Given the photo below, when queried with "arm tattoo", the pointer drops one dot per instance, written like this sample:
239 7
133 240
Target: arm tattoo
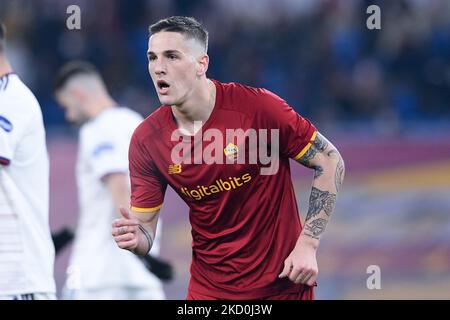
320 200
319 145
148 236
318 171
316 228
311 153
339 175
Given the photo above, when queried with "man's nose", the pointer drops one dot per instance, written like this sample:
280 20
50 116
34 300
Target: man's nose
159 67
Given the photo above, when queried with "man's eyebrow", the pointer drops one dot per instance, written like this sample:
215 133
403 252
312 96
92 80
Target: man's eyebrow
171 51
164 52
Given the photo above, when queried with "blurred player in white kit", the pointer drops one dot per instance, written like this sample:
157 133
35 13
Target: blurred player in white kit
98 269
26 248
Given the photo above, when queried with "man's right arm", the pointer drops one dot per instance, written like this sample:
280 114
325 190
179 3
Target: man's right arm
136 230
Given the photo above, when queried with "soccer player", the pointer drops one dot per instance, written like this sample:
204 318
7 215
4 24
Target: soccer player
97 268
248 241
26 249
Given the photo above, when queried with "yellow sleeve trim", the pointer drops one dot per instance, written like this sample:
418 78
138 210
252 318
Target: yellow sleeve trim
306 148
146 210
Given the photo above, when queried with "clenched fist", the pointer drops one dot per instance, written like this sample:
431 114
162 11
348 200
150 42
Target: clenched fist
301 265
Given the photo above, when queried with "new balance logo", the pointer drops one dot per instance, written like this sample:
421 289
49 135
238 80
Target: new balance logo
175 168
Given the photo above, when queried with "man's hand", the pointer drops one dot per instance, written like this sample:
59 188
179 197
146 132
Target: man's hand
128 235
301 264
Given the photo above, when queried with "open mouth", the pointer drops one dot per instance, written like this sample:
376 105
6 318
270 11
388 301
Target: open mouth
163 86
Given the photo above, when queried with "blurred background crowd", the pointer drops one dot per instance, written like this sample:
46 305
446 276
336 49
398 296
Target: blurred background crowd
317 54
382 95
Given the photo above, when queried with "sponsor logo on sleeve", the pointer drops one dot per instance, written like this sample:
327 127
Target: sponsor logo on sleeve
100 149
5 124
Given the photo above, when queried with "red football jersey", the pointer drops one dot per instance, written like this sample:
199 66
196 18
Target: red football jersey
244 223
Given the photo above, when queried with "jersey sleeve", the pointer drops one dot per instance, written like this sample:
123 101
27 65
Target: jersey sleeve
107 152
147 185
5 149
296 133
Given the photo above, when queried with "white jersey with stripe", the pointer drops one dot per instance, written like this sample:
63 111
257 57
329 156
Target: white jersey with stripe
96 262
26 247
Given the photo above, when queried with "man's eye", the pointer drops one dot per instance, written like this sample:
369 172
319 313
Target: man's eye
152 58
172 56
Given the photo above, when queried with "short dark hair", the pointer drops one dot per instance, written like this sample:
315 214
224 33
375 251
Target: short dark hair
188 26
71 69
2 36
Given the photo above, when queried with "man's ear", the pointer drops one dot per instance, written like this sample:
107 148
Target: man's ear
202 64
78 93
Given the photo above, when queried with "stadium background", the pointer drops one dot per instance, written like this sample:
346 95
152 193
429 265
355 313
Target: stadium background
383 97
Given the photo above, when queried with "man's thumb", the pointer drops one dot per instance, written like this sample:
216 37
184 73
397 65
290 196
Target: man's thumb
124 213
286 269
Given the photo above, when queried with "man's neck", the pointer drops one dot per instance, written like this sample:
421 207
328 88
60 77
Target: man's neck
198 108
5 67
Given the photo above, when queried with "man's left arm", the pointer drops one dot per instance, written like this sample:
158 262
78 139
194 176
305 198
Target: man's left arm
301 265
